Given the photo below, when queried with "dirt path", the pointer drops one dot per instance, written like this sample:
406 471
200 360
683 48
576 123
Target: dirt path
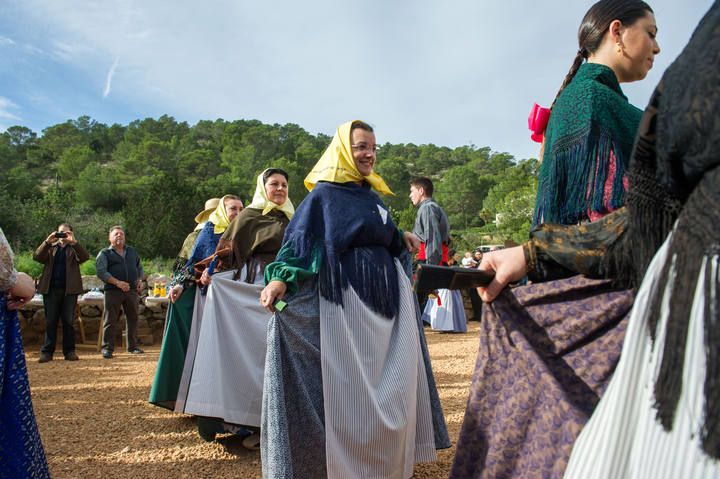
95 420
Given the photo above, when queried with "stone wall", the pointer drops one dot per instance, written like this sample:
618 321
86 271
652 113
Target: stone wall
151 320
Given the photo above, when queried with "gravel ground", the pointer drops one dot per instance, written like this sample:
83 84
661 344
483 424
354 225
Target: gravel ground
95 420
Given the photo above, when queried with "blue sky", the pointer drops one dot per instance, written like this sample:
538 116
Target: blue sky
450 73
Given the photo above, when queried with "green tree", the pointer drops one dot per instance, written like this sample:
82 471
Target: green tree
97 187
73 161
394 171
157 218
509 204
461 193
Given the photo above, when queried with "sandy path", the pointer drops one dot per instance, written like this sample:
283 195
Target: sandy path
95 421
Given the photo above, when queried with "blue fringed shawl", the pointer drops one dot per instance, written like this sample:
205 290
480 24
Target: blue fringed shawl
338 232
590 120
205 244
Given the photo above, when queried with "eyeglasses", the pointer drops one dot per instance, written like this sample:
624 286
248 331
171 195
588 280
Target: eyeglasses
363 148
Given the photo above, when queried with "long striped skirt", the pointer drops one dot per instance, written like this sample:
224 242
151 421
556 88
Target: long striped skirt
623 438
347 392
547 352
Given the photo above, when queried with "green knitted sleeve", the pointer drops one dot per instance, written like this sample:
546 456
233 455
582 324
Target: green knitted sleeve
289 270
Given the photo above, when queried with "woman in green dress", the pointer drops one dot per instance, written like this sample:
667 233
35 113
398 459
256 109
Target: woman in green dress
182 296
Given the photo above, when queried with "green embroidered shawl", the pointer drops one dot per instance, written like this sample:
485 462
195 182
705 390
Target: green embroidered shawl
591 120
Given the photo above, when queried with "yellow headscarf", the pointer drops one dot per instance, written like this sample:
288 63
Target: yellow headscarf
219 217
337 164
260 200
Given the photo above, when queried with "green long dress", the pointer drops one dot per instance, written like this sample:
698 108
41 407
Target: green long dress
174 347
177 333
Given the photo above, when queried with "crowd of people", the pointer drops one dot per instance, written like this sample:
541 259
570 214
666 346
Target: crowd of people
299 330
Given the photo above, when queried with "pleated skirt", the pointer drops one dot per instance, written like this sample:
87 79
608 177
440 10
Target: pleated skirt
622 438
346 391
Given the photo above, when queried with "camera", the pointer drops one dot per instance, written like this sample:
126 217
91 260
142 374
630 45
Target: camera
60 234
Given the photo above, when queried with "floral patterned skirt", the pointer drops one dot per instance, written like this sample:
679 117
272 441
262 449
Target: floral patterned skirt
547 352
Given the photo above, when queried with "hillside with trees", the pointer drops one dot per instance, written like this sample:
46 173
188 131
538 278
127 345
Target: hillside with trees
153 176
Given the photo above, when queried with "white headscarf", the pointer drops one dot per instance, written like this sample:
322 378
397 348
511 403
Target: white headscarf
260 199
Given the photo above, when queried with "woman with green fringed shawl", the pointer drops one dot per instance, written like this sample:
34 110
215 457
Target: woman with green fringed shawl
548 350
592 125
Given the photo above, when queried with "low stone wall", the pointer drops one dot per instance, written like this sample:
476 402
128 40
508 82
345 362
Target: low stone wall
151 320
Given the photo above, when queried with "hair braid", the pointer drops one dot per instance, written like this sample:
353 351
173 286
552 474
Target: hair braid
579 58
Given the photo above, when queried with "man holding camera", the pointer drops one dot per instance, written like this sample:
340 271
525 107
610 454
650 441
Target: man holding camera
60 285
119 267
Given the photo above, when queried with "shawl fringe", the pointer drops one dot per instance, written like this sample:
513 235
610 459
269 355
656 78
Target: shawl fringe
373 275
694 244
652 211
574 183
591 120
370 270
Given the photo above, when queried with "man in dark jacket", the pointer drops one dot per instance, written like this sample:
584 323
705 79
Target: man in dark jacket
118 266
60 285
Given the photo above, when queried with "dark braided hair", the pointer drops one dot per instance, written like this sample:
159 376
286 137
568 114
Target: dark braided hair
595 24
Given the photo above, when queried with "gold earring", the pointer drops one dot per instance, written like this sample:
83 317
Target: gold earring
619 47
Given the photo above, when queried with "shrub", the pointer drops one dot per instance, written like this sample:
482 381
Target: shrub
88 267
25 263
158 265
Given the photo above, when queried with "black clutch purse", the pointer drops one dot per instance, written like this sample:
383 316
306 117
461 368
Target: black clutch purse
429 278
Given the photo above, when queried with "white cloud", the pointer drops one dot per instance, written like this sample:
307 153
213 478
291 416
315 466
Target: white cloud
108 80
32 49
70 51
5 105
5 115
28 48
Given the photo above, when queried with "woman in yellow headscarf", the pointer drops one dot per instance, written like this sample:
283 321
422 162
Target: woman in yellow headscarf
255 236
348 388
178 323
225 389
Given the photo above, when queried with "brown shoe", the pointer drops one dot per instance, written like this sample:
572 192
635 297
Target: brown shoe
45 358
71 356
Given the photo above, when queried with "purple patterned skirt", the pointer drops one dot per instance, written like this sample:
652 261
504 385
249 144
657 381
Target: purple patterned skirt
547 352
